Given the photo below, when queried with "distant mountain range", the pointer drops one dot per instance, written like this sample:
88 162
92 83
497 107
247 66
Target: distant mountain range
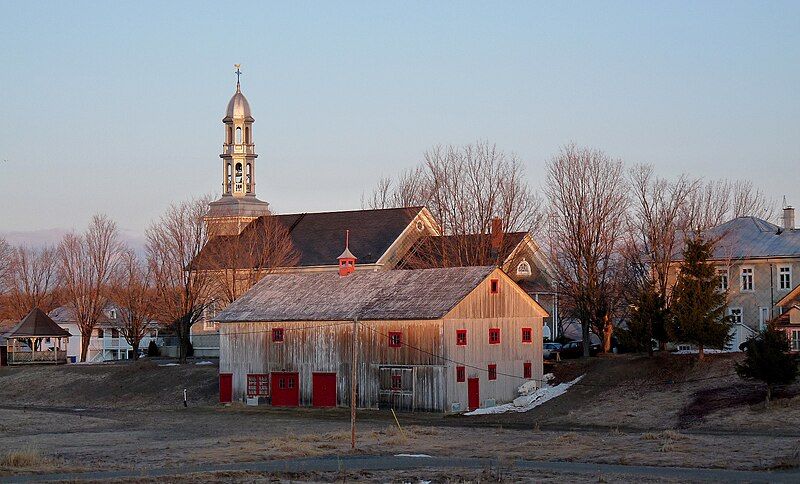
44 237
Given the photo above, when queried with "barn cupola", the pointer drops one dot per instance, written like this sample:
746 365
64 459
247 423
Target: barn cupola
347 261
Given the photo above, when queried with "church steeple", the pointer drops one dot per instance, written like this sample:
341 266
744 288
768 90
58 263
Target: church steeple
238 202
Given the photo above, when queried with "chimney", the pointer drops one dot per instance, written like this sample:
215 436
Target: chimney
497 235
788 217
347 261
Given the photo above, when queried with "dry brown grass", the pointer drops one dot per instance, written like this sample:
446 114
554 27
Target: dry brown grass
27 458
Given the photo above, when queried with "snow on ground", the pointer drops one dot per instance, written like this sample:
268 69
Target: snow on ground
707 351
413 455
202 363
528 402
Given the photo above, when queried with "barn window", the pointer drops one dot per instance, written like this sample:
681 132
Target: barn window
395 339
494 336
277 335
526 370
493 372
397 382
258 385
290 382
281 383
527 335
461 374
461 337
494 286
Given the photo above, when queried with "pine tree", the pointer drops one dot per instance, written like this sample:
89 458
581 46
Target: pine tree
698 306
768 360
647 319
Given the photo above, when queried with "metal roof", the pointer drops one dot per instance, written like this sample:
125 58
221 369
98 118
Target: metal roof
366 295
752 238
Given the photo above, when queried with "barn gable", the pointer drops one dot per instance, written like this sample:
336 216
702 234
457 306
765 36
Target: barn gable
509 300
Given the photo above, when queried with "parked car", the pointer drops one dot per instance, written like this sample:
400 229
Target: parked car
574 349
551 351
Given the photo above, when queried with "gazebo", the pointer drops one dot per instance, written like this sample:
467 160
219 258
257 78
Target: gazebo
36 339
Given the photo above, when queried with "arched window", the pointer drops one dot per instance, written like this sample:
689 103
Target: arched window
229 135
238 177
228 176
247 135
523 268
248 177
238 135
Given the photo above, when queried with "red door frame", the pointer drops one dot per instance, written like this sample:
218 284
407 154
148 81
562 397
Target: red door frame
225 387
323 389
285 389
474 393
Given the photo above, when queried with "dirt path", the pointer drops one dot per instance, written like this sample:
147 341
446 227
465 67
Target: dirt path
394 463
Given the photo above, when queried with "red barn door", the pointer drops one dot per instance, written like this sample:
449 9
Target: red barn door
324 390
225 387
474 392
285 389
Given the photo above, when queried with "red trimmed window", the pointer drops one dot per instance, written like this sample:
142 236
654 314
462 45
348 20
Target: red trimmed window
397 382
395 339
258 385
527 335
494 336
461 374
277 335
461 337
493 372
494 286
527 371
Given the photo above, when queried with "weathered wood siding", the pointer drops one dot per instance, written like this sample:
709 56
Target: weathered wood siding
313 346
510 310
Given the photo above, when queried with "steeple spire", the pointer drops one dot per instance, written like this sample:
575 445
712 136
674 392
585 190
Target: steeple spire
238 73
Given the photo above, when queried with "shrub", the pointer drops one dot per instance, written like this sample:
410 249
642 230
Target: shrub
152 349
768 359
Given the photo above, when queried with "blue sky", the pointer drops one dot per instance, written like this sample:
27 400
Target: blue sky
117 106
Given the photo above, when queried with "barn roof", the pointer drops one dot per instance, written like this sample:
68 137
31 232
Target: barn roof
367 295
319 237
752 238
449 250
37 324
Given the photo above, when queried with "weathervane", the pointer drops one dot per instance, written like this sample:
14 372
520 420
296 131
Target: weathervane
238 73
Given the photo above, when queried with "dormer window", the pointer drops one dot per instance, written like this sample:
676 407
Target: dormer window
112 314
524 268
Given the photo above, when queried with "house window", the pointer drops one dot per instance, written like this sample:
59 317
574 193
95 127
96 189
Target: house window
100 333
493 372
112 314
524 268
494 336
395 339
114 333
747 279
494 286
461 374
461 337
277 335
736 315
527 335
209 325
397 382
153 333
258 385
796 340
527 371
722 275
785 277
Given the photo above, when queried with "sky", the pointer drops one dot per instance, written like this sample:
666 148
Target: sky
116 107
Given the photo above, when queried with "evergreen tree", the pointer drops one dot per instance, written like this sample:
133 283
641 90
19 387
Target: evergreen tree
698 306
648 318
152 349
768 360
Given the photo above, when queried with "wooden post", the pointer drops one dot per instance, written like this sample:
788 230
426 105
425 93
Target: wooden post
353 377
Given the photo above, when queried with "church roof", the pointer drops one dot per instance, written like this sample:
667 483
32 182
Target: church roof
37 324
317 237
751 238
238 107
457 250
367 295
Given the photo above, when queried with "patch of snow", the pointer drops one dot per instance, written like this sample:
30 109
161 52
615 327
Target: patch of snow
78 409
413 455
707 351
204 363
169 364
528 402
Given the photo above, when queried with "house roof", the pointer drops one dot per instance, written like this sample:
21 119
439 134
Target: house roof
792 296
65 314
37 324
451 250
752 238
319 237
367 295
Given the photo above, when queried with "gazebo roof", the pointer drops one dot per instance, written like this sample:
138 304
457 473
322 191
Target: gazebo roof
37 324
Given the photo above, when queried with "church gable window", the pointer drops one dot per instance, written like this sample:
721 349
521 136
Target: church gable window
524 268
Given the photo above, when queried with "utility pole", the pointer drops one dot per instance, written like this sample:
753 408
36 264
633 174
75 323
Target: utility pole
353 386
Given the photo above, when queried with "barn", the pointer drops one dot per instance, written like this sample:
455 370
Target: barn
444 339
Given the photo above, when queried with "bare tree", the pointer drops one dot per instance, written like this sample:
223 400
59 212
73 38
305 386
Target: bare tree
173 242
86 263
5 264
588 200
465 188
238 262
30 280
133 292
717 201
